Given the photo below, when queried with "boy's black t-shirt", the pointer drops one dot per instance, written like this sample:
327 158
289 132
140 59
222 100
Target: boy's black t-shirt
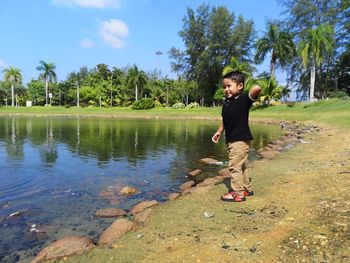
235 113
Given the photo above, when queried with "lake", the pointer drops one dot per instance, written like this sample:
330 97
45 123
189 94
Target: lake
52 170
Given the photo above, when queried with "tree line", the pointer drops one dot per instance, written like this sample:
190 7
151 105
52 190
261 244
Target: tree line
311 44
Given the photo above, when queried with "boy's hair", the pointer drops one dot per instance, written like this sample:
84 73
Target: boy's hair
236 76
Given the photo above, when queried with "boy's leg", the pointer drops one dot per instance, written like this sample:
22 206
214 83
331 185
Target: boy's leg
246 177
238 155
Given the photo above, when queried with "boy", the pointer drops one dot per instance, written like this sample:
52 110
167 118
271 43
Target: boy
235 114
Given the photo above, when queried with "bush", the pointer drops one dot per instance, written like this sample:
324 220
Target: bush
341 94
143 104
157 104
92 103
178 105
290 104
192 105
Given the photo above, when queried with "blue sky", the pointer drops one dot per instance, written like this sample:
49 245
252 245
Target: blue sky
76 33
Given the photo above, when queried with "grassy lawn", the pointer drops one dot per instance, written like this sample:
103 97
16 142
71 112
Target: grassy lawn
334 112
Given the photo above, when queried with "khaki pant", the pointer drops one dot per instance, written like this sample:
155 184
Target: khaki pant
237 164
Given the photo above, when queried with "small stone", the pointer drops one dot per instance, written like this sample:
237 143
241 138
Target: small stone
139 236
208 214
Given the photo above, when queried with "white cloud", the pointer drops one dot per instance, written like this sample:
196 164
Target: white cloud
89 3
113 31
86 43
3 64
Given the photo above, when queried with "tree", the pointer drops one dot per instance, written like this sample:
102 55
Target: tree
13 75
138 79
279 43
212 36
270 90
313 48
36 92
48 75
300 17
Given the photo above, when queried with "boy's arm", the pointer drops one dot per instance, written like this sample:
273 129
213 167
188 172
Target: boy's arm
254 92
217 135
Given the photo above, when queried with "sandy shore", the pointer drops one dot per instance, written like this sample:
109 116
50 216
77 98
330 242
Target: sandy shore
300 213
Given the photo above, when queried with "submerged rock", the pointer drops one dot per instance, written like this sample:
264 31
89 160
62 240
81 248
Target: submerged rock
110 212
128 190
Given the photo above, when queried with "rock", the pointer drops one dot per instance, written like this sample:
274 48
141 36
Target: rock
209 161
173 196
186 185
142 206
115 231
207 182
218 179
208 214
141 218
268 154
110 212
64 247
198 190
195 172
225 172
128 190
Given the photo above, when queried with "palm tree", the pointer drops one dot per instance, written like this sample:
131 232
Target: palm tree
138 79
14 76
236 65
279 43
48 75
270 90
313 48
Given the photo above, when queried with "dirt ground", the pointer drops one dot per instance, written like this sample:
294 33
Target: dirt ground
300 213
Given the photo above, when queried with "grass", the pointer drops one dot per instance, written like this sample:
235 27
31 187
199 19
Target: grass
334 112
117 112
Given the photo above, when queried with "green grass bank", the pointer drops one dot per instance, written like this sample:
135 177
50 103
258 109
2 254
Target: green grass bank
334 112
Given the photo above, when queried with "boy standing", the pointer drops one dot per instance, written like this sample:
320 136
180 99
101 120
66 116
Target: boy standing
235 114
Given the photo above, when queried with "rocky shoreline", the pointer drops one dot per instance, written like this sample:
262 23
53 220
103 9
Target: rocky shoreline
141 213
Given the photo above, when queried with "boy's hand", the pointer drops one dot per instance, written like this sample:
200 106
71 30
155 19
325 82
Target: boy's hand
216 137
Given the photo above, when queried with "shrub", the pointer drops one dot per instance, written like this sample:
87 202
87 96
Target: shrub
341 94
192 105
178 105
92 103
290 104
157 104
143 104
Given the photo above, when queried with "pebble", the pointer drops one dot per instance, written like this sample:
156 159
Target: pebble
208 215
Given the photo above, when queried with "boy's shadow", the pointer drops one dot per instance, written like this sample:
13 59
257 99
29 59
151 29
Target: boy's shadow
227 182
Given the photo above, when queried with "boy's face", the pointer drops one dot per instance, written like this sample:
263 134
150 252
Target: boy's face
231 88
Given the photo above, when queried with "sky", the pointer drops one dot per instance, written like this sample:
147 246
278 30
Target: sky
119 33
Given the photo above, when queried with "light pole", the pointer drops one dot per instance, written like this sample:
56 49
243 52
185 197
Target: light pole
158 54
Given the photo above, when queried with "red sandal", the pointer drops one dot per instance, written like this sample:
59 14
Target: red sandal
232 197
